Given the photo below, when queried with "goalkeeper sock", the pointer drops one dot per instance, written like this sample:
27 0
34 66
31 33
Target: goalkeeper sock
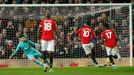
39 63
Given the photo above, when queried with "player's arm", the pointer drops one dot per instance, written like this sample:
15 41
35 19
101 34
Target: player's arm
116 37
93 34
39 31
77 31
102 41
32 43
17 49
55 26
55 29
93 38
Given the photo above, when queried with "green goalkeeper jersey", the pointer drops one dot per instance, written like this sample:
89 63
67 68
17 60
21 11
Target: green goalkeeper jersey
26 47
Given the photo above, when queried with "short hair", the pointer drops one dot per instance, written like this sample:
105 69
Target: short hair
47 14
21 35
85 23
106 25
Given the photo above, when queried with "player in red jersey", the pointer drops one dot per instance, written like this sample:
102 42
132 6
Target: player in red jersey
86 34
109 36
48 27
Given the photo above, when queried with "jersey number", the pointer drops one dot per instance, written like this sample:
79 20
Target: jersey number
86 33
108 34
47 26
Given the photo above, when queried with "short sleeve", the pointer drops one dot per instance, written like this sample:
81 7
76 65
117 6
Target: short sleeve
55 25
102 35
41 23
77 32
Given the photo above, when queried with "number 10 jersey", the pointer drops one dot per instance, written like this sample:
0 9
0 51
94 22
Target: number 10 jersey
86 34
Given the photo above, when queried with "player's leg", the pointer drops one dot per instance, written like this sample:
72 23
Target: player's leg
87 48
33 59
37 54
115 53
109 55
50 51
44 45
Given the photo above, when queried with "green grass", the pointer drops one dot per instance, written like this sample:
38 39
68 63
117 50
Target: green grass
70 71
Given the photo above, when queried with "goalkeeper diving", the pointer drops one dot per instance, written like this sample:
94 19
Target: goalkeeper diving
27 46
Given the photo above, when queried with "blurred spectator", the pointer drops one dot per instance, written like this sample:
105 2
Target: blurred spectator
33 34
16 39
8 1
121 1
66 28
2 45
10 30
27 2
8 49
30 22
60 1
47 1
24 1
65 1
26 11
16 22
3 24
4 34
1 38
19 1
1 1
25 32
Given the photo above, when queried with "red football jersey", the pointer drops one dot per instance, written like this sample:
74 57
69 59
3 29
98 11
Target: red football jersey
86 33
48 29
110 38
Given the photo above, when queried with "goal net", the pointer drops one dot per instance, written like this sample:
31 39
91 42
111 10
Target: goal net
15 19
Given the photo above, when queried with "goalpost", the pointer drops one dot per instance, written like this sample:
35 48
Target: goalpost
25 18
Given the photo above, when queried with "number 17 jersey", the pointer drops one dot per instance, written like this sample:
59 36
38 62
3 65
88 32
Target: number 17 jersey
110 38
48 29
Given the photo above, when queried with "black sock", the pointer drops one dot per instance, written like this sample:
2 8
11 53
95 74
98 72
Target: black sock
50 54
115 56
44 56
93 58
111 59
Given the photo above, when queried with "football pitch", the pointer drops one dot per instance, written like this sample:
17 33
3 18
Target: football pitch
70 71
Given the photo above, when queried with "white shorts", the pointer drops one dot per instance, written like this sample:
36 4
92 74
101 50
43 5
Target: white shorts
88 47
112 51
47 45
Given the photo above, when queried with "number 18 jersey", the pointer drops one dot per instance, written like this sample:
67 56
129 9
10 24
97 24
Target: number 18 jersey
86 34
48 29
110 38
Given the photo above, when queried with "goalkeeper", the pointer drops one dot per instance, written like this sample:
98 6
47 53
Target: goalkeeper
32 54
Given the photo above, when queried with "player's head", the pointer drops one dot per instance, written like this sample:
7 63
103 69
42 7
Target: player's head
106 26
22 37
85 24
47 14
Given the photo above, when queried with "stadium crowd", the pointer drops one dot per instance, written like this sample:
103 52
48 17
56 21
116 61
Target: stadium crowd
60 1
15 20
